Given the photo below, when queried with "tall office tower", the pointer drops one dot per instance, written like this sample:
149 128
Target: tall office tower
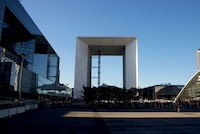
27 59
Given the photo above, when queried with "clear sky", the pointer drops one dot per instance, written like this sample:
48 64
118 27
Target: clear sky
168 33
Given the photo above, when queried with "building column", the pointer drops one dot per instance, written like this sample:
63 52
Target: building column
82 68
131 65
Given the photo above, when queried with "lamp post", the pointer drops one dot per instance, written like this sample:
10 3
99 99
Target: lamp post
20 76
3 55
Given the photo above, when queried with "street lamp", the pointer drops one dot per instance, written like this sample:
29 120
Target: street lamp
3 55
20 76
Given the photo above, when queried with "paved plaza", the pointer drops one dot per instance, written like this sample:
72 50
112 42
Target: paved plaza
83 120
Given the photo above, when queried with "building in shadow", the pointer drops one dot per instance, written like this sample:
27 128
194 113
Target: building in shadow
163 92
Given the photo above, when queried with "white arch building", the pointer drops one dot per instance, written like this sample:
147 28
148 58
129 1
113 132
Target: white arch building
88 46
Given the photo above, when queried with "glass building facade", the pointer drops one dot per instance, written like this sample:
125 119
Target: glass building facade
191 91
23 44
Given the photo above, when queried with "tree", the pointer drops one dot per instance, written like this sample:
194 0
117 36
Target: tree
110 93
89 94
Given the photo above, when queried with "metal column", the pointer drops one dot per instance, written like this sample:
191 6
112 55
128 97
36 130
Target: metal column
99 68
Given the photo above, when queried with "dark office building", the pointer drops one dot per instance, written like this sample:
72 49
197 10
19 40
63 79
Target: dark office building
165 92
23 44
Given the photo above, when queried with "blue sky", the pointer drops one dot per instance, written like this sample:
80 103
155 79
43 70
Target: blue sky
168 33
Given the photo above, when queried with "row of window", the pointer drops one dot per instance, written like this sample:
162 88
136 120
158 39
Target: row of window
18 10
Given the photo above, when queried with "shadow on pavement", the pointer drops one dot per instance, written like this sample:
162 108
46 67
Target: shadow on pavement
52 120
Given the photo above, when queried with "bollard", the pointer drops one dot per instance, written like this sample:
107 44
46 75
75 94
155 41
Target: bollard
178 109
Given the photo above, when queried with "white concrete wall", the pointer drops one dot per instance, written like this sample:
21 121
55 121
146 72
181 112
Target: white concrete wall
20 109
33 106
12 111
16 110
81 67
4 113
131 65
27 107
